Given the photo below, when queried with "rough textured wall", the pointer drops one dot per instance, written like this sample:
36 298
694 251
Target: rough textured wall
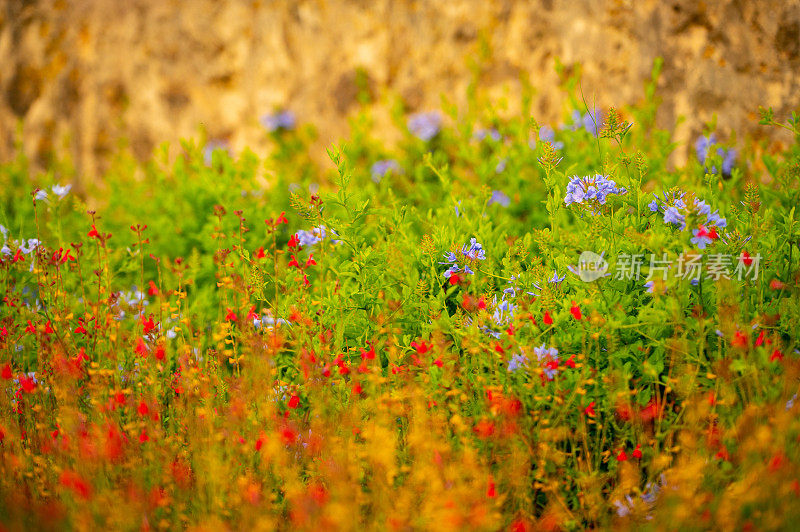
85 73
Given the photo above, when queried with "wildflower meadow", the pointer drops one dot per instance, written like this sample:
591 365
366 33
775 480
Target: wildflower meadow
493 323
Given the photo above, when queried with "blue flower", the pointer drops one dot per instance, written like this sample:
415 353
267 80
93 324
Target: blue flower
4 231
500 198
545 355
501 165
555 278
280 120
211 147
593 121
702 145
425 126
517 361
381 168
309 238
672 216
546 134
591 190
492 133
40 195
468 253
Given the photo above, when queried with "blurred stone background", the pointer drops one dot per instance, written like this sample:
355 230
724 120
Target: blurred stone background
83 74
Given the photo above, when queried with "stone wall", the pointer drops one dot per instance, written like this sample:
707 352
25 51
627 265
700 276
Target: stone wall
83 74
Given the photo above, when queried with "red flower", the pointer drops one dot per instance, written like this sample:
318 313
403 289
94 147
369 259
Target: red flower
438 362
18 257
775 284
231 315
547 319
48 329
368 355
153 289
637 453
760 339
148 324
30 328
282 219
621 456
27 383
491 490
576 311
776 355
739 340
422 348
141 347
311 261
294 262
143 409
454 278
3 332
481 303
143 437
357 389
160 352
589 410
6 372
746 259
93 233
649 412
294 242
484 428
294 402
260 253
570 362
80 329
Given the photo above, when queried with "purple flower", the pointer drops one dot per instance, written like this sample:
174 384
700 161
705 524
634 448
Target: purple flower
546 134
381 168
702 145
492 133
545 355
591 190
517 361
279 120
425 126
499 197
468 253
593 121
211 147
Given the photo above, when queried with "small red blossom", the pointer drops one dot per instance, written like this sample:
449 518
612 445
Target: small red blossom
31 329
589 410
27 384
6 372
576 311
294 262
231 315
739 340
491 490
148 324
438 362
776 284
454 278
746 259
776 355
141 347
637 453
80 329
152 289
18 257
311 261
570 362
547 319
760 339
484 428
48 329
93 233
294 242
160 352
282 219
621 456
143 409
294 402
